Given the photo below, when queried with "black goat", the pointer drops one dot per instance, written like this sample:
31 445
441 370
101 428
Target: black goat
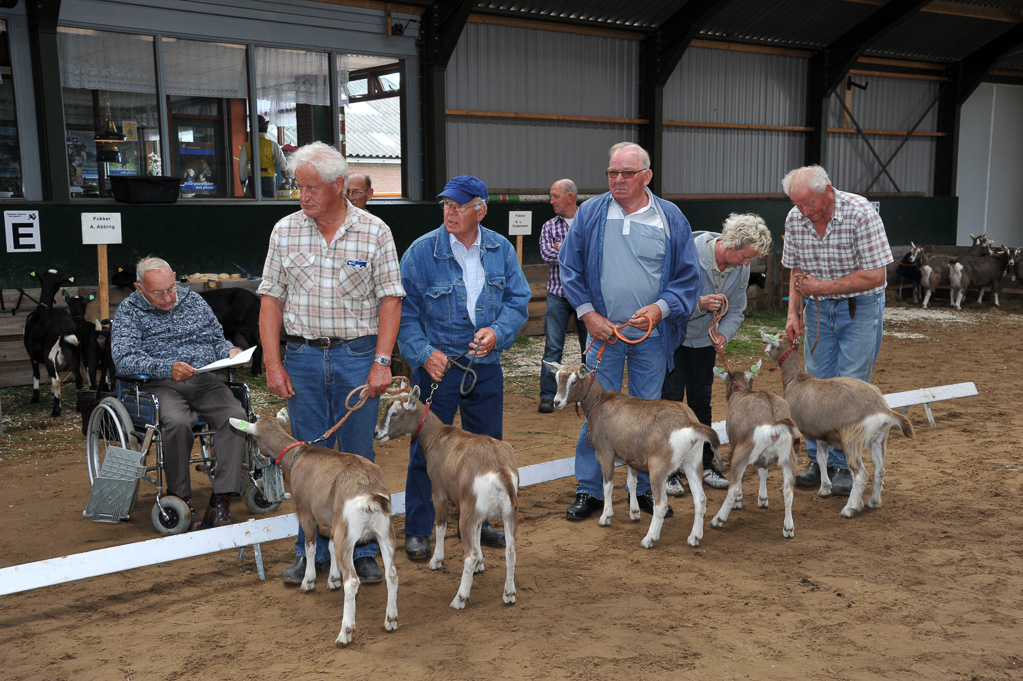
758 279
50 338
237 310
93 343
904 271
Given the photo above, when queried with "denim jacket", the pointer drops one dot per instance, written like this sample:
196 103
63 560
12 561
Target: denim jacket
433 314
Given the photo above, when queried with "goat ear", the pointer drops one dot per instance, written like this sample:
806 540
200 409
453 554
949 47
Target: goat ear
413 398
756 367
283 416
71 280
92 297
553 366
721 373
244 426
768 338
583 371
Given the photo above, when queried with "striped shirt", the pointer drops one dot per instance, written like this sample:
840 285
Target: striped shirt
331 290
469 259
855 240
553 231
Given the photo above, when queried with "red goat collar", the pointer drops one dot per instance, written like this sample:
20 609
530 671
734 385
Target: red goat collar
415 435
284 451
781 360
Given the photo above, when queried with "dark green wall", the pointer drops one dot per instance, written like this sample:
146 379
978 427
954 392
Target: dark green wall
205 236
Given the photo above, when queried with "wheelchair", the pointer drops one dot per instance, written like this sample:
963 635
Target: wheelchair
124 430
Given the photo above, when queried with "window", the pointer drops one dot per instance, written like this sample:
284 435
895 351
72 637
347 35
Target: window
11 184
109 88
370 119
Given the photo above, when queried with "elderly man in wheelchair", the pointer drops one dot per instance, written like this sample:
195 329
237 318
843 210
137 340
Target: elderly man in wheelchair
166 333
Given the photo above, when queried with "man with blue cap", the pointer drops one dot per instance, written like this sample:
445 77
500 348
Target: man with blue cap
466 299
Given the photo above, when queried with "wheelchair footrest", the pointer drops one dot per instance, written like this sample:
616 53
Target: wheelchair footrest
115 488
273 484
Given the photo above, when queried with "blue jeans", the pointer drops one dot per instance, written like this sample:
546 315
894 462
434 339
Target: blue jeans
647 364
555 328
847 347
322 380
482 412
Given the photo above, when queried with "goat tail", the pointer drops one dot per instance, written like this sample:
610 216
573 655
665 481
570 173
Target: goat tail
904 424
511 486
383 501
70 339
955 275
791 426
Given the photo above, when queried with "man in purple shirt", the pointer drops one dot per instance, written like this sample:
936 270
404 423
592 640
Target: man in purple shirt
559 310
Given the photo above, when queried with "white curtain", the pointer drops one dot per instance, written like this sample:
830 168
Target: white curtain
103 60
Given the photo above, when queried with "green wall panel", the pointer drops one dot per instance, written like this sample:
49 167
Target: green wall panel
199 236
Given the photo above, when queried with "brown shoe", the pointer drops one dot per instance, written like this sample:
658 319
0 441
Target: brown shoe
219 512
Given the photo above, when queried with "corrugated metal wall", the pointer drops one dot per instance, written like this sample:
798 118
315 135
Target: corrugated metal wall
719 86
887 104
505 69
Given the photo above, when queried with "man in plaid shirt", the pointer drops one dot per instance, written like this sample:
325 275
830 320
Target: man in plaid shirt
331 283
837 240
559 310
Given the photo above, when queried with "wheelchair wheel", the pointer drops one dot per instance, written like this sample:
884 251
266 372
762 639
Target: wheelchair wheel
109 426
256 503
178 516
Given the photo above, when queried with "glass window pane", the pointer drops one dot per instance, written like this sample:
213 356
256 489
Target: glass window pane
10 150
207 105
109 88
370 119
293 99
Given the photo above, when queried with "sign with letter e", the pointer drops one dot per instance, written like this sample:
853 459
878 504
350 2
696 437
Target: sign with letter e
23 235
101 228
520 223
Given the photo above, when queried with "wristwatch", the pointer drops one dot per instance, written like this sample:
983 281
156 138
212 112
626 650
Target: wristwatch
382 361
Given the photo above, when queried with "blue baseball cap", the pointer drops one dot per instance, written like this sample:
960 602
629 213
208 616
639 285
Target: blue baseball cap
465 188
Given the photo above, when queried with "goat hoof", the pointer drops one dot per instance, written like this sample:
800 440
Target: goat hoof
824 491
693 540
848 512
436 564
344 638
391 624
458 603
763 503
333 584
634 515
717 523
509 598
788 532
307 587
647 543
604 521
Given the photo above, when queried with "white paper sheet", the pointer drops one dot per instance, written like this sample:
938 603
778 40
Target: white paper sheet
241 358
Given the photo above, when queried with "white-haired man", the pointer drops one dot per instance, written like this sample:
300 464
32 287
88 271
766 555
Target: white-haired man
331 283
837 249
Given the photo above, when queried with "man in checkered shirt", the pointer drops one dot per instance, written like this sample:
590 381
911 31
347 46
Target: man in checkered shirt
559 311
837 240
331 283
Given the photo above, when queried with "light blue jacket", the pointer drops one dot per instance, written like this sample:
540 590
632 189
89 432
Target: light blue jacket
433 313
581 259
698 327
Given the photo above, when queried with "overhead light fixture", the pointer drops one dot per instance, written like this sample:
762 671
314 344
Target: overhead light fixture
107 140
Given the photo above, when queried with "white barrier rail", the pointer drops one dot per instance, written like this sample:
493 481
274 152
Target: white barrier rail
54 571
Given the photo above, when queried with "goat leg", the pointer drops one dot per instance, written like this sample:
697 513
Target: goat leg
470 528
859 475
699 502
607 471
334 576
788 472
511 520
658 488
351 583
385 540
877 452
822 464
631 481
309 580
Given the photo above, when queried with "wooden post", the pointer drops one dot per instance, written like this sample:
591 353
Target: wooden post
518 248
104 286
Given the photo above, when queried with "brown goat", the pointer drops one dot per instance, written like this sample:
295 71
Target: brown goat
656 436
843 412
343 497
473 471
762 432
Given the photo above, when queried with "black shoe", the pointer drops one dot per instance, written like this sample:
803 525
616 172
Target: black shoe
811 477
646 504
546 406
841 481
368 570
584 506
492 537
296 573
417 548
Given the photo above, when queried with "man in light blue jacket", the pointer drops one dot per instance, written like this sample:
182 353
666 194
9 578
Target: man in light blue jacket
466 298
628 266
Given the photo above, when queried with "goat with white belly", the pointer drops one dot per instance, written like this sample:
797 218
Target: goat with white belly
934 270
656 436
762 432
342 496
473 471
843 412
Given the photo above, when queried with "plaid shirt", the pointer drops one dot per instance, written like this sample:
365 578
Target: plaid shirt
855 240
553 231
331 290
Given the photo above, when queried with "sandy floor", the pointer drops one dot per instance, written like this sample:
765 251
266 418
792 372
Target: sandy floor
926 587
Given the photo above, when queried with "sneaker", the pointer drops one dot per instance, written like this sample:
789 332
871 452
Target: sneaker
675 488
713 477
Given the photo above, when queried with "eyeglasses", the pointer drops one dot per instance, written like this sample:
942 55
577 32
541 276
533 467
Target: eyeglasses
355 192
460 208
164 293
626 174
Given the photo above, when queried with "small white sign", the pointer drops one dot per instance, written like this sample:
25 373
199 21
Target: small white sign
877 206
23 234
520 223
101 228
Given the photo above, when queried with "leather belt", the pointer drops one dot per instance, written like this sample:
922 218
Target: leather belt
323 342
